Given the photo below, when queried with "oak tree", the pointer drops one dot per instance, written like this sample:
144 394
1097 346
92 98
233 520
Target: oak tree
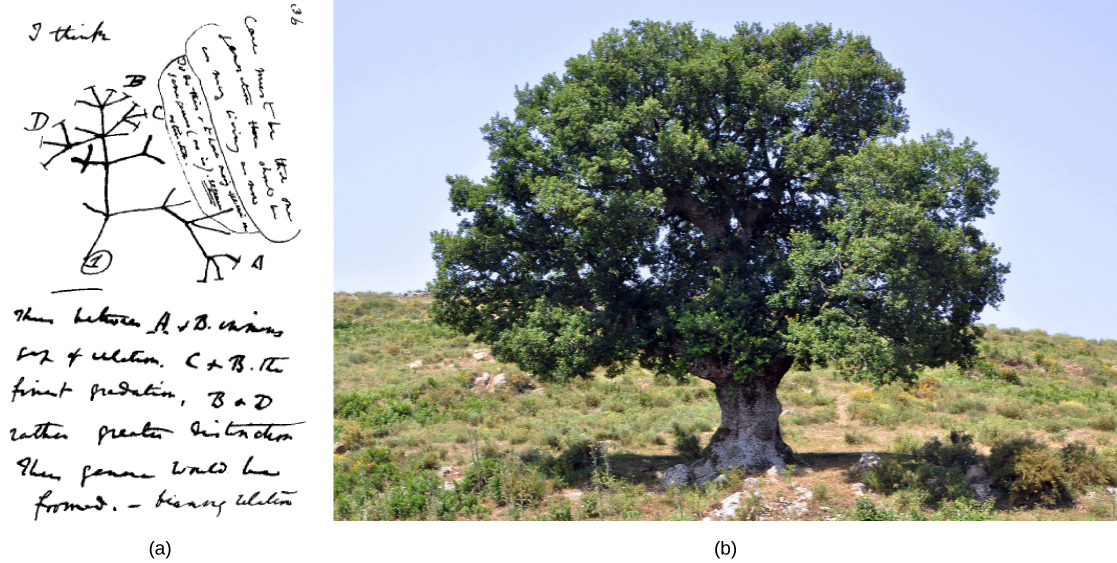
721 207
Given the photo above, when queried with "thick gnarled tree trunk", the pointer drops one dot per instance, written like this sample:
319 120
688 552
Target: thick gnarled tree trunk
749 435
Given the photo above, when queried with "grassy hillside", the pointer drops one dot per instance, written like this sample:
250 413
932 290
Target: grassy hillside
422 439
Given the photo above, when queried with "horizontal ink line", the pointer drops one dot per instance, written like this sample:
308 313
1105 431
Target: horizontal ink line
77 289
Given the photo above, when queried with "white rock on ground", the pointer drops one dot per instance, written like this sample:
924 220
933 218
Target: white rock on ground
729 506
797 508
676 476
776 471
498 381
868 461
416 364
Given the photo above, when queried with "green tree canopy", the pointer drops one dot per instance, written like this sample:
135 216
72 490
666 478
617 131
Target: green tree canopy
724 207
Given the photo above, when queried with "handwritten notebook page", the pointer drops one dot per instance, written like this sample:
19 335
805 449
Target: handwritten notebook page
167 244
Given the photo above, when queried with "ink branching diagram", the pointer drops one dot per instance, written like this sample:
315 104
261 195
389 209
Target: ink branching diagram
218 118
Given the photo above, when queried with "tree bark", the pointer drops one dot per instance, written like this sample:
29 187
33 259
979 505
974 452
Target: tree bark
749 435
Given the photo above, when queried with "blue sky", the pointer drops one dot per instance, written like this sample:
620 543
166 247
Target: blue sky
1033 83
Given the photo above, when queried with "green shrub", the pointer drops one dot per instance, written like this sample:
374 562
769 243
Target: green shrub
879 414
579 455
995 430
944 483
815 415
1072 409
535 457
409 498
574 463
1009 375
889 405
518 436
490 450
1040 477
561 513
795 398
506 481
355 437
1031 472
1105 423
611 431
818 399
994 372
966 510
527 406
1085 467
937 472
910 499
904 443
687 444
803 379
968 404
592 400
1108 453
376 468
865 510
551 439
800 397
887 477
479 475
958 453
854 437
430 458
654 399
521 486
1052 425
421 496
615 405
1013 409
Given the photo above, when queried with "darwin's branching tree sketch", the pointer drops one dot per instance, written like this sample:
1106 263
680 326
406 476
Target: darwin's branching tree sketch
93 146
